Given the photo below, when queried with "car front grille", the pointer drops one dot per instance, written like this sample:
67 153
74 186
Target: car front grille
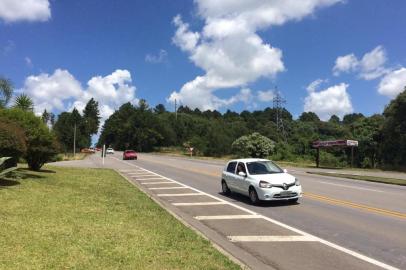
287 195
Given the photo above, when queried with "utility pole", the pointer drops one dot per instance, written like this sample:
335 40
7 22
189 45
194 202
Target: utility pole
278 104
74 140
176 110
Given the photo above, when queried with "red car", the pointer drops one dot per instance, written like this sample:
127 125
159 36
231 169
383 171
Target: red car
129 154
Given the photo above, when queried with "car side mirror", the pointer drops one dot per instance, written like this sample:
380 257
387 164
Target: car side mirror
285 171
243 174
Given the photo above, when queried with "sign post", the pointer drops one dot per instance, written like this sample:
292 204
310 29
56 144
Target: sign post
335 143
104 152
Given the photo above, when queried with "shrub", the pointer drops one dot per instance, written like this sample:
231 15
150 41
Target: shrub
254 145
12 140
41 143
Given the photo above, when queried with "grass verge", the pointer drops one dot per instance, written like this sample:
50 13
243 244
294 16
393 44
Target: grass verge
385 180
93 219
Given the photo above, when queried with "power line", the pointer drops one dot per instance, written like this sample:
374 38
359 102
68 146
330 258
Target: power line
279 103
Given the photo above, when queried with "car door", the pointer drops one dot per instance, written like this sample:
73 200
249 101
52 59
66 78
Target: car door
240 180
230 175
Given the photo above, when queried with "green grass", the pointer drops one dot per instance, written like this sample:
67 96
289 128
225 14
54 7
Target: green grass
385 180
64 218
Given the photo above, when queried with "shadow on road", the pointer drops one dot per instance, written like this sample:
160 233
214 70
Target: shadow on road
244 199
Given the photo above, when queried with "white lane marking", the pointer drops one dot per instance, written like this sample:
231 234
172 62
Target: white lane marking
348 186
156 188
148 179
156 183
227 217
132 170
198 203
325 242
271 238
180 194
138 174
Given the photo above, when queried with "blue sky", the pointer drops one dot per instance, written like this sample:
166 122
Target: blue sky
214 55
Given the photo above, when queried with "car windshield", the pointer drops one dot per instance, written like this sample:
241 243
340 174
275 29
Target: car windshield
130 152
263 167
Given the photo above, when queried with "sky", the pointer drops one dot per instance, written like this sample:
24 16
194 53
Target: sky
326 56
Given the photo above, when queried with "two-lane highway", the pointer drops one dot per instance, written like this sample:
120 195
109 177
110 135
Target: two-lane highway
362 217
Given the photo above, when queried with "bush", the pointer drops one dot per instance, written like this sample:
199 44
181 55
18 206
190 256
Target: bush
12 140
254 145
41 143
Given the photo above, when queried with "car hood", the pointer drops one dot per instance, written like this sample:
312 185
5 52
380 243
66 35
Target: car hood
275 178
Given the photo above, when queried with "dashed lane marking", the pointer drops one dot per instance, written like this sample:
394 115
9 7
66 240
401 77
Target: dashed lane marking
283 225
158 188
156 183
199 203
272 238
228 217
180 194
148 179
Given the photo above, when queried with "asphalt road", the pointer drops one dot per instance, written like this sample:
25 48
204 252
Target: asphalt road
338 224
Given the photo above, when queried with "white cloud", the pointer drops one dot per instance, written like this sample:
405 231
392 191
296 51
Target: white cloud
393 83
345 63
369 67
25 10
61 91
325 103
156 59
315 84
28 62
228 48
265 96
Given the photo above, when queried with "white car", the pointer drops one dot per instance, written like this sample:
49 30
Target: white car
260 179
109 151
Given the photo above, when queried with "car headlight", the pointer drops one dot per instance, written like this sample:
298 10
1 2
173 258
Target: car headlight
297 182
264 184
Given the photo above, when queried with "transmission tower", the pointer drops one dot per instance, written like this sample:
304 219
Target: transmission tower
278 104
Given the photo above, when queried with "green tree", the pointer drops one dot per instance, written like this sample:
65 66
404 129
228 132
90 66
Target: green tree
348 119
91 119
12 140
309 117
41 143
334 119
254 145
6 91
393 135
24 102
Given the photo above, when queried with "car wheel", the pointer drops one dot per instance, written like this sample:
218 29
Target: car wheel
225 189
253 195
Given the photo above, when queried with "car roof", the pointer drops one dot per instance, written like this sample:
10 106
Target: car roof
248 160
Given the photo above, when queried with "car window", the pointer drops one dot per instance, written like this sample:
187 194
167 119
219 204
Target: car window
263 167
231 167
241 168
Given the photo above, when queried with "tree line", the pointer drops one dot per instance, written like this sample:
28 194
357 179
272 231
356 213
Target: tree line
382 137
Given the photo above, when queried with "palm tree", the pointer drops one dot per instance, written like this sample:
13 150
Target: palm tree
6 91
24 103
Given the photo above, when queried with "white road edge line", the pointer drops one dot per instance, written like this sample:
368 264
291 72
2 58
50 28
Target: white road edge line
180 194
227 217
271 238
325 242
156 188
198 203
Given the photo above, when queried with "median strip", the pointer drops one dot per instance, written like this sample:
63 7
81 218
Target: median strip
158 188
156 183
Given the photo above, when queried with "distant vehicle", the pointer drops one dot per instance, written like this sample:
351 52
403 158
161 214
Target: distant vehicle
109 151
129 154
260 179
87 150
